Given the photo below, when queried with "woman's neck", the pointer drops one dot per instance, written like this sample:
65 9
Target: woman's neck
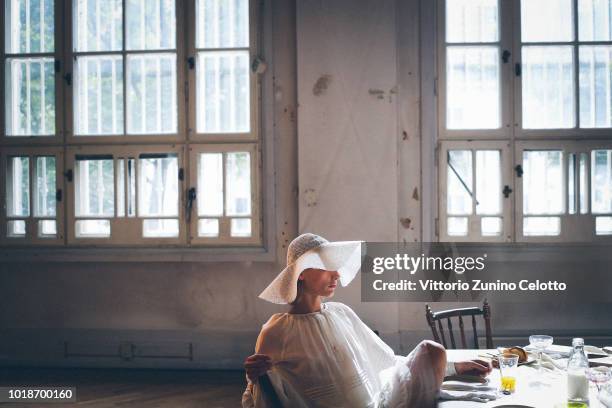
306 304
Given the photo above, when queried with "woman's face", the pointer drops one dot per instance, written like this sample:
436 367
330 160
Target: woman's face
319 282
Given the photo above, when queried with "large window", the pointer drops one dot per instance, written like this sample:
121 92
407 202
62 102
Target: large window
535 76
137 119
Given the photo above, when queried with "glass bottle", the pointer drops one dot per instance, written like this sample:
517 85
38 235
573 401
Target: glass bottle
577 382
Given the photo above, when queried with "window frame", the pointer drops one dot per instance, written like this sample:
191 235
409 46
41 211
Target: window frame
579 139
58 58
256 204
254 80
122 226
505 77
577 133
181 97
573 227
506 179
31 237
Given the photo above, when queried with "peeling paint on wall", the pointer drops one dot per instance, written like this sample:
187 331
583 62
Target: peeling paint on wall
321 85
405 222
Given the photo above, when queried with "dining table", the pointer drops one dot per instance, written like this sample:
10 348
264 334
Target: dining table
534 388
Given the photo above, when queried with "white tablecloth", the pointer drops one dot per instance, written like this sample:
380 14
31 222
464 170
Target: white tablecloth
527 393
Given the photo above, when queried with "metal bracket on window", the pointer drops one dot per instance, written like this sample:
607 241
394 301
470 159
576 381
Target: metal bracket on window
68 79
68 175
519 170
181 174
506 56
191 62
191 196
517 69
448 161
58 195
506 191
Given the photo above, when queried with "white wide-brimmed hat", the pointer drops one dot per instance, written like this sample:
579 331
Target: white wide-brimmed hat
313 251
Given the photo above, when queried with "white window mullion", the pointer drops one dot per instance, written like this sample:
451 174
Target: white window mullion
99 95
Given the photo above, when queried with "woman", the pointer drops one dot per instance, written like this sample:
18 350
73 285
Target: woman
323 355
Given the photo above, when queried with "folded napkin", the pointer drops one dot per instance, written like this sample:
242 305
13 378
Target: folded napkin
551 364
454 390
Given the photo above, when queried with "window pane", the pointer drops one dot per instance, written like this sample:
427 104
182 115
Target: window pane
471 20
120 187
222 23
488 182
459 182
603 225
541 226
238 183
208 227
131 184
18 187
584 184
98 25
546 20
548 87
210 184
151 24
29 26
241 227
457 226
99 95
16 229
595 86
160 228
594 20
47 229
44 187
223 104
94 189
151 93
158 185
491 226
601 181
473 100
30 96
92 228
571 183
542 183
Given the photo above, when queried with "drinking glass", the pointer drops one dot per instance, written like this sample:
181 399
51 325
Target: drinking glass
508 365
540 342
599 376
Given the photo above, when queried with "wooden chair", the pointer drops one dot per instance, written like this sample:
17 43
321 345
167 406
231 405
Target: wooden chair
269 393
433 317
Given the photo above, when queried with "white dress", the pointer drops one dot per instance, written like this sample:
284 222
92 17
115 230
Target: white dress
332 359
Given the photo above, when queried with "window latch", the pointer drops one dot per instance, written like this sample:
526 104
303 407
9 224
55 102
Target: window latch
191 62
68 79
68 175
58 195
519 170
181 174
506 56
517 69
506 191
191 196
58 65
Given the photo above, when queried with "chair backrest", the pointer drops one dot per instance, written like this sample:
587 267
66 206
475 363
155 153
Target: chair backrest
269 393
437 317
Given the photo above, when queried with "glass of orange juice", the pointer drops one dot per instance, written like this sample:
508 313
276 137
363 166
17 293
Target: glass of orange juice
508 366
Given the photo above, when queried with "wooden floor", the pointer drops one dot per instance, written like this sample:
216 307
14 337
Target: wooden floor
130 388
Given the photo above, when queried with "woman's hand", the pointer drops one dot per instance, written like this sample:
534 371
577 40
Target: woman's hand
473 367
256 366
